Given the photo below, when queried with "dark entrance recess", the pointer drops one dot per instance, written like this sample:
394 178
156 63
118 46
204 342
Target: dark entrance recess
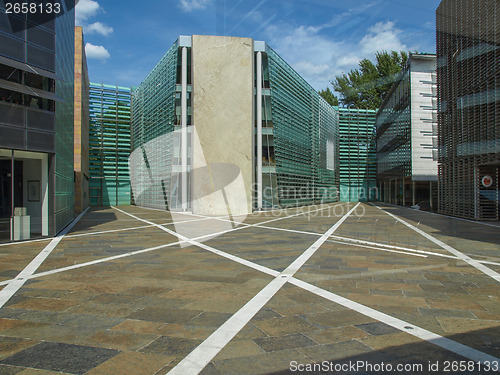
6 194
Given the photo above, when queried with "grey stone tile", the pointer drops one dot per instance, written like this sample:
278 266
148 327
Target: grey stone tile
210 319
377 328
171 346
271 344
164 315
73 359
10 370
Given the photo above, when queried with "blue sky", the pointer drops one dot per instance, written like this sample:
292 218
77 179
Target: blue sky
318 38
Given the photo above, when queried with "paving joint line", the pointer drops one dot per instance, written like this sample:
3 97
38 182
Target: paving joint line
441 215
438 340
196 360
378 248
142 251
15 284
473 262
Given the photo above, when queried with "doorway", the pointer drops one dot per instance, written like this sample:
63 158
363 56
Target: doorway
24 206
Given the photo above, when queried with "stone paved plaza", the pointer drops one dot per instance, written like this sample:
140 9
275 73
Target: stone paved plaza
130 290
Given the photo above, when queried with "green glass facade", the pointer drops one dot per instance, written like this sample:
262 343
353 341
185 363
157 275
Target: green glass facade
300 161
358 157
109 145
64 118
156 114
300 139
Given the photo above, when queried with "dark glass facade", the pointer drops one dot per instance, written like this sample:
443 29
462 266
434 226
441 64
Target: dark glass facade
27 96
64 120
36 111
468 49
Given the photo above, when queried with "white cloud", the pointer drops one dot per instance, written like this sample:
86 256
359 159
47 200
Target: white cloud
382 36
312 55
190 5
99 28
96 52
85 9
318 57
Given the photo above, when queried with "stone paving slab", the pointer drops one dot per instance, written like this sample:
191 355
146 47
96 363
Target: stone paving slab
337 335
375 225
14 257
464 235
280 248
143 314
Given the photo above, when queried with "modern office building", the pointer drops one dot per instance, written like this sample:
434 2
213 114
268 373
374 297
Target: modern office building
109 144
81 124
36 123
468 50
406 169
224 125
357 155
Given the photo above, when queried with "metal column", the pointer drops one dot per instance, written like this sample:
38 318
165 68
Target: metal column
430 195
476 193
259 130
184 153
413 193
12 187
404 192
45 195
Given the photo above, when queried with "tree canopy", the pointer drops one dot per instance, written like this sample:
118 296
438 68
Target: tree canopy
367 86
329 97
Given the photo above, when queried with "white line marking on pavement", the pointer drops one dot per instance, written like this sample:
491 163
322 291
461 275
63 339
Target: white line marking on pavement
400 324
206 247
106 231
23 242
127 229
443 216
412 329
378 248
107 259
354 241
489 262
15 284
137 252
195 361
473 262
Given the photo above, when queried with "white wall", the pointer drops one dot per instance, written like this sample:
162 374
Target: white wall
32 171
423 114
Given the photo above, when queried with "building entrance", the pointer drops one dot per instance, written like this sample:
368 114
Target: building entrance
24 206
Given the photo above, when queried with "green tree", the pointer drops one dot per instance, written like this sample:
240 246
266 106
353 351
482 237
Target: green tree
329 97
367 86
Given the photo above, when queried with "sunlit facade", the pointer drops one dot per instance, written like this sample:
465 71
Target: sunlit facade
406 121
81 125
225 124
109 145
357 155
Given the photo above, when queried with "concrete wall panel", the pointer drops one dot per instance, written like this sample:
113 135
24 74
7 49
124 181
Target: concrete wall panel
223 120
